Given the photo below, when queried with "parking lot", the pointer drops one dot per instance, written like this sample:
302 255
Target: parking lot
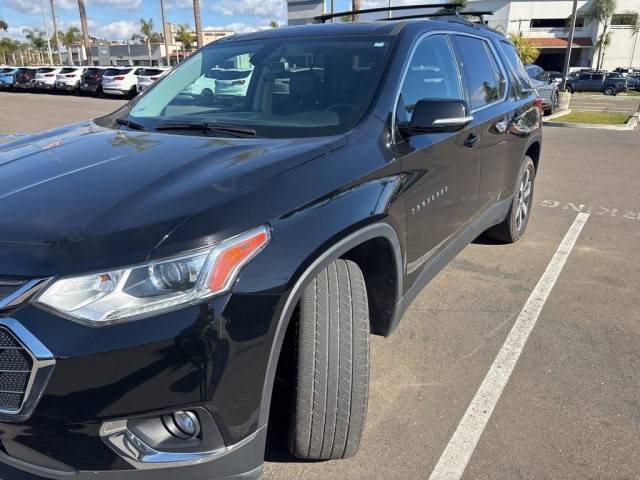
570 409
599 103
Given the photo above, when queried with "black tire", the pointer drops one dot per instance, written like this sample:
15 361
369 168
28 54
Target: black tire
332 357
512 227
610 91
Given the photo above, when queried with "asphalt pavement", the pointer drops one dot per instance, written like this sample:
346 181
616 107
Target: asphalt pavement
570 406
595 102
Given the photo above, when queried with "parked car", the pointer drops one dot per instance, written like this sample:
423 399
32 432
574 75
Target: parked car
45 78
205 85
555 76
121 81
633 81
164 263
233 81
69 79
149 76
585 81
24 78
7 75
546 86
92 80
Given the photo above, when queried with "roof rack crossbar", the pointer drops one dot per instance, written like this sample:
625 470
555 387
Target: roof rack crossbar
454 7
457 14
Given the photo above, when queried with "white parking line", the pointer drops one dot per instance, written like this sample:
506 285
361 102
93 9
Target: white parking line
456 455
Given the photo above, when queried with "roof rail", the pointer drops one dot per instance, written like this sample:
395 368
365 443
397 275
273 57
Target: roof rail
453 7
456 13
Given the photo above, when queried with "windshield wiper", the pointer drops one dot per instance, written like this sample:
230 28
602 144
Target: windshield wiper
130 124
233 130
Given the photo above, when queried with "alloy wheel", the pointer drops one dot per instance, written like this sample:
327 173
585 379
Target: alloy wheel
524 200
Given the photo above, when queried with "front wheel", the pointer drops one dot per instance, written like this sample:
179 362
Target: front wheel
332 352
513 226
609 91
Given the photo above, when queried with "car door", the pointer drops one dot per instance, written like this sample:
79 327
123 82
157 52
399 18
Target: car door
543 85
442 169
594 84
486 81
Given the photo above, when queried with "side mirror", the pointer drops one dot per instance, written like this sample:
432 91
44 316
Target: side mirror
432 116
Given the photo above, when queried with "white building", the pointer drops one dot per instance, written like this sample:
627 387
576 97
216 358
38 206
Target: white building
544 22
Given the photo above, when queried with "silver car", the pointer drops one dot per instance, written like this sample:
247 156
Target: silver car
546 86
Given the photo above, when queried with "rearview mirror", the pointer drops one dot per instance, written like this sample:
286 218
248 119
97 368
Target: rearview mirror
441 115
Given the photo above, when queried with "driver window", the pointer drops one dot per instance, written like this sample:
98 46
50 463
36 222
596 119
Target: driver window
432 73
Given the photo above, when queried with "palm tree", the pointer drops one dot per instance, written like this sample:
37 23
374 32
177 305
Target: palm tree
146 35
527 52
85 30
198 19
164 35
184 36
55 27
273 24
3 25
68 38
601 12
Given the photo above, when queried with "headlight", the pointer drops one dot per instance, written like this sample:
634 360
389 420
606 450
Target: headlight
126 294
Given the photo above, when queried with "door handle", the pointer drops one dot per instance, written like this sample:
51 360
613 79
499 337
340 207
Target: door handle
501 126
471 140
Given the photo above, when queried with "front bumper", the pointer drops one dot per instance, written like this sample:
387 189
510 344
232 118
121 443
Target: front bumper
210 358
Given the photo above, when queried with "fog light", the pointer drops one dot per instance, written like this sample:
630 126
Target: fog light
182 424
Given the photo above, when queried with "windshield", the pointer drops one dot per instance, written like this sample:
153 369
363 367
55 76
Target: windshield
279 87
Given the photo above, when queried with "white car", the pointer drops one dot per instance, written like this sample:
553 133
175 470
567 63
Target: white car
204 85
69 78
121 81
149 75
233 82
46 77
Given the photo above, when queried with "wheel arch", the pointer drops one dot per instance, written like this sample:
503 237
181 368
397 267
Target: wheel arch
376 232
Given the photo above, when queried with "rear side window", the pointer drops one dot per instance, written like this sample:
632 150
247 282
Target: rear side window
432 73
517 69
150 72
485 82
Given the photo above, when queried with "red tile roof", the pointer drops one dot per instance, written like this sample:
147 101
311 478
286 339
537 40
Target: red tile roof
554 42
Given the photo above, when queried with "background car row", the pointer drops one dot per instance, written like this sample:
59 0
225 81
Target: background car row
118 81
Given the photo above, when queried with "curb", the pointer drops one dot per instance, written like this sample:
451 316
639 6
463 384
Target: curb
631 124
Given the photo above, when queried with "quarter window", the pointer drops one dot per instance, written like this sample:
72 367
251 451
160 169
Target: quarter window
517 69
484 79
432 73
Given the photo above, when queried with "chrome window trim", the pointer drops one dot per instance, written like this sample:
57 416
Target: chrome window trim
498 60
405 70
449 34
41 370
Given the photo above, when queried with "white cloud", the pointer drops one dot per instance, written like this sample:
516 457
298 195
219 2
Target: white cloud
268 9
120 30
35 6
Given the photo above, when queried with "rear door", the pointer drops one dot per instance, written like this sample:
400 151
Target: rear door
487 84
443 168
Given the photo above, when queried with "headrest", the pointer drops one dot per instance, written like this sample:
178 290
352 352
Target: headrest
305 85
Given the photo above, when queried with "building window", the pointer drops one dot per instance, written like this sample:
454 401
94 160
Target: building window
555 22
624 20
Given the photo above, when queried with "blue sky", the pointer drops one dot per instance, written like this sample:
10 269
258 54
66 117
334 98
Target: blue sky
119 19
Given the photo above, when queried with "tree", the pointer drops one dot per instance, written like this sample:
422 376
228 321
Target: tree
3 25
68 38
527 52
184 36
601 12
273 24
85 30
8 48
197 15
146 34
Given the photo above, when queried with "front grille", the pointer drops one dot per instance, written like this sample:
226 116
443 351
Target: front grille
16 365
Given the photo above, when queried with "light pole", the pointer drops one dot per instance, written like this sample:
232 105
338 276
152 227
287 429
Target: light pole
567 59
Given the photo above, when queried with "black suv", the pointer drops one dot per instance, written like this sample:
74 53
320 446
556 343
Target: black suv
162 265
91 81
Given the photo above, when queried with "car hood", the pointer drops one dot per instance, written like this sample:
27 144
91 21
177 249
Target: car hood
84 197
